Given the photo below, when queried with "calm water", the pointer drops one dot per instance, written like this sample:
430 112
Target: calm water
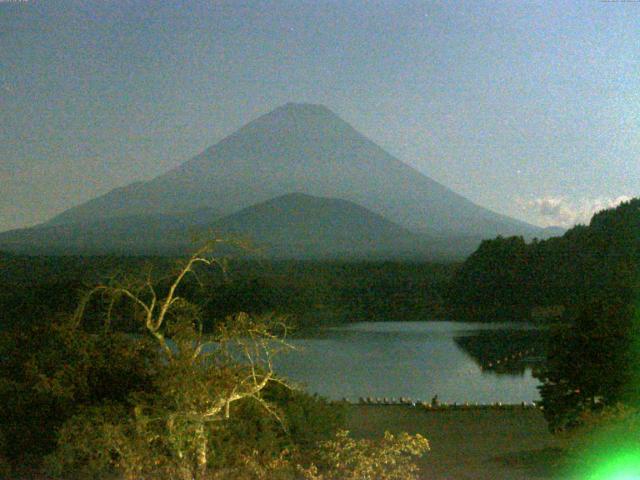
408 359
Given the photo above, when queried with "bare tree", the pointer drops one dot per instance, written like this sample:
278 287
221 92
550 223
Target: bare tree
198 378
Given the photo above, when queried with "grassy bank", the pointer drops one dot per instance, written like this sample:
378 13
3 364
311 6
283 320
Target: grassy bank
474 443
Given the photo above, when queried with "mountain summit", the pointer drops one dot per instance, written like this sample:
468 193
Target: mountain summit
308 149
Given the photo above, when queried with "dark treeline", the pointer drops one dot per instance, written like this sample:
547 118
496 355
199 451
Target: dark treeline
312 293
504 279
587 284
509 279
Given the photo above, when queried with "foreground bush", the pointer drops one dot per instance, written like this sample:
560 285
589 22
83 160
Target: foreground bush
345 458
52 371
591 362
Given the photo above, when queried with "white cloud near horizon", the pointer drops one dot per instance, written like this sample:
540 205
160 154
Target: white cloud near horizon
563 212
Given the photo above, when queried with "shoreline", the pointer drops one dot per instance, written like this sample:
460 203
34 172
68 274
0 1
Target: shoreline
496 443
440 406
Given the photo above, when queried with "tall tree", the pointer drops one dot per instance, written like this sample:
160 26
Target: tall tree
196 382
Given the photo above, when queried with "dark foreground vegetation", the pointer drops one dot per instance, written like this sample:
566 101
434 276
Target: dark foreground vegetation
127 385
119 389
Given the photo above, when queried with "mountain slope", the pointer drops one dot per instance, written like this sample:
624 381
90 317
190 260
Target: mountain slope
302 148
132 235
289 226
299 226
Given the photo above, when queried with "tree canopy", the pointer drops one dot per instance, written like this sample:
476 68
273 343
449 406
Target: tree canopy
507 278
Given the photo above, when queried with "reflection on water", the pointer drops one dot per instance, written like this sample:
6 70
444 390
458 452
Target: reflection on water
408 359
505 351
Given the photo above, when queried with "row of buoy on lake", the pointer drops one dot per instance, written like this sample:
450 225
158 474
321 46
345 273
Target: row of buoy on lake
442 405
435 405
508 358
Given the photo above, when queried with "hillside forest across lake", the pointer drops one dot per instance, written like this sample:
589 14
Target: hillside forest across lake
505 279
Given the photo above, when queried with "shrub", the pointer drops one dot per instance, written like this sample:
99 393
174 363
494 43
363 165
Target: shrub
390 458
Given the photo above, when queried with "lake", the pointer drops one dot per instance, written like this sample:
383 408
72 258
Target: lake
411 359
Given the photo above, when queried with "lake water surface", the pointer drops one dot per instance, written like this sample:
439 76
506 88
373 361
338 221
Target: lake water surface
402 359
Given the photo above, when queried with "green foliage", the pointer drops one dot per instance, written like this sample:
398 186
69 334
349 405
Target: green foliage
51 370
308 419
316 293
311 292
494 283
590 277
166 430
5 467
22 305
345 458
105 441
254 438
589 363
506 278
95 443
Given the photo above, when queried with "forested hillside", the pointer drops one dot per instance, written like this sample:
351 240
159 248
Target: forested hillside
311 292
507 278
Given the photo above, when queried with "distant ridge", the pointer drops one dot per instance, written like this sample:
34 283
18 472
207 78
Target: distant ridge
294 226
302 226
302 148
133 235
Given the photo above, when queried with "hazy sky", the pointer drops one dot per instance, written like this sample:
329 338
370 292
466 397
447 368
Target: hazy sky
530 109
